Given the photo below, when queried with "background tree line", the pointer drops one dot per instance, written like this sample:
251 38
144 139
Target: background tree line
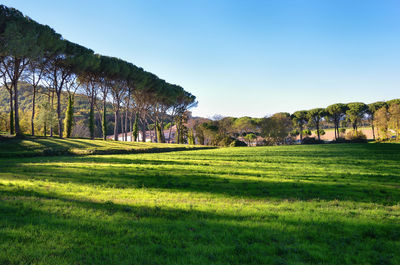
383 118
57 69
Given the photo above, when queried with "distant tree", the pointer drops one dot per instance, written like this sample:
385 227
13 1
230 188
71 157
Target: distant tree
191 140
314 118
299 119
244 125
355 113
335 113
276 127
321 132
372 108
381 118
45 116
394 118
250 138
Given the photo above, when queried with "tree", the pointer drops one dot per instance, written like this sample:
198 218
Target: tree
372 108
335 113
394 118
244 125
10 92
299 119
276 127
45 116
19 45
250 138
314 118
191 140
355 113
69 117
381 118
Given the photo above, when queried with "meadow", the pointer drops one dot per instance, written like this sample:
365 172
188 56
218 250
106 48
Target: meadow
321 204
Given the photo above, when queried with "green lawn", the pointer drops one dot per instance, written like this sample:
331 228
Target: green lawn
322 204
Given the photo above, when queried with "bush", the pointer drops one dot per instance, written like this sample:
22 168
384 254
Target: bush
237 143
311 140
306 132
356 137
226 141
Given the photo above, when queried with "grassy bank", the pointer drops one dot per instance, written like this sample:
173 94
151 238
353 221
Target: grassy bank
39 146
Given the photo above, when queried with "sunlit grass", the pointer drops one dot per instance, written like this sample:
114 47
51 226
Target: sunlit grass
326 204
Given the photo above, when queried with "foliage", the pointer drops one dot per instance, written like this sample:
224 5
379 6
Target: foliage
335 113
277 127
314 118
307 132
355 113
299 119
250 138
356 136
237 143
311 140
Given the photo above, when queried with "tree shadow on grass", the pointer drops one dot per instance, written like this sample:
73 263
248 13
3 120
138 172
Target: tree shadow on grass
55 229
226 183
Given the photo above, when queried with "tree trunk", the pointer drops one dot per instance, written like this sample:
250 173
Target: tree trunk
301 133
335 132
319 137
11 112
122 125
33 112
169 135
91 118
126 125
104 120
18 131
60 132
143 132
130 127
51 121
116 118
373 130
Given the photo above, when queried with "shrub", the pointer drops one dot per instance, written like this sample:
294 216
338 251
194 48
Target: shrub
294 133
237 143
311 140
356 137
306 132
226 141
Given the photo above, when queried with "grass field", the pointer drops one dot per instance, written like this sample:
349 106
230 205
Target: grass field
323 204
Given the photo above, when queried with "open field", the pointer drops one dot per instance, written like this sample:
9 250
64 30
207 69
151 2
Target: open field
323 204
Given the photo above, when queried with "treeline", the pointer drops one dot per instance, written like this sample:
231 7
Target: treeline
36 54
284 128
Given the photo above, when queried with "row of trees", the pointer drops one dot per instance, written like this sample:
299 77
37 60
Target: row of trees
382 117
36 54
351 113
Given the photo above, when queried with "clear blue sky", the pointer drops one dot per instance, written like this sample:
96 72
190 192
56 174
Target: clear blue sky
244 57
